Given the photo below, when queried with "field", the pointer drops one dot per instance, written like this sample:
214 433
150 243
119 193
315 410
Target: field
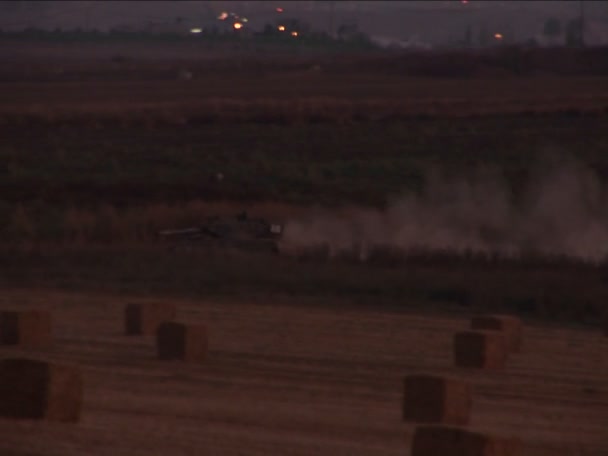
446 163
291 376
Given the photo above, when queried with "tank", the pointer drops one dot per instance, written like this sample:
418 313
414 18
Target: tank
240 231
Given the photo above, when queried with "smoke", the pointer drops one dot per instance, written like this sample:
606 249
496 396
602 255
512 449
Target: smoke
560 209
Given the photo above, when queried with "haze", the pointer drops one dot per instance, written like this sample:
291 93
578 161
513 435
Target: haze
433 22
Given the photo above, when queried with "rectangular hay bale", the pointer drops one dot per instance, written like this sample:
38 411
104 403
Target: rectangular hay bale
480 349
144 318
186 342
34 389
26 328
450 441
432 399
510 325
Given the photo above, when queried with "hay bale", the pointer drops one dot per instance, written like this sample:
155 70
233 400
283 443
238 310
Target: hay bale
34 389
144 318
511 326
443 441
431 399
26 328
181 341
480 349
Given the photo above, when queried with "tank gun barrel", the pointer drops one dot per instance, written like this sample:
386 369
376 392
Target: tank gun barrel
180 232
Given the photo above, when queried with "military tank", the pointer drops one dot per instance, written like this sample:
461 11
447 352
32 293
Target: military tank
240 232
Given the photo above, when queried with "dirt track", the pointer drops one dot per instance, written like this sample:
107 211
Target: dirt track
286 379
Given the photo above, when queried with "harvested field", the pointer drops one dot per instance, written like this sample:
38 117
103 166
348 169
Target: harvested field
282 378
306 355
87 82
293 99
439 441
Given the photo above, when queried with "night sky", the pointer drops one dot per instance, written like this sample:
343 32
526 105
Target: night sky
434 22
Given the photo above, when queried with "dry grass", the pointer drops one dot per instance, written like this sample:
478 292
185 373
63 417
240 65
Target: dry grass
299 111
348 89
441 441
548 290
304 376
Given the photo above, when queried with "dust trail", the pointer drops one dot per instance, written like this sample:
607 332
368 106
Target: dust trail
561 210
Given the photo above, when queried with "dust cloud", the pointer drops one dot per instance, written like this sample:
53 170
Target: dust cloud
560 209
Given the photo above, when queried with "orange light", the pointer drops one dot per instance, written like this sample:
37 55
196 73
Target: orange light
281 28
498 36
294 33
237 25
279 10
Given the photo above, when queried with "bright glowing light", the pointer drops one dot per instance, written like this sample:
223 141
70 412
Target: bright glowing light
223 16
279 10
294 33
245 19
498 36
281 28
237 25
196 30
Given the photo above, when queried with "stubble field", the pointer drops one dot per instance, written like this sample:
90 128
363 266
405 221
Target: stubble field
284 377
